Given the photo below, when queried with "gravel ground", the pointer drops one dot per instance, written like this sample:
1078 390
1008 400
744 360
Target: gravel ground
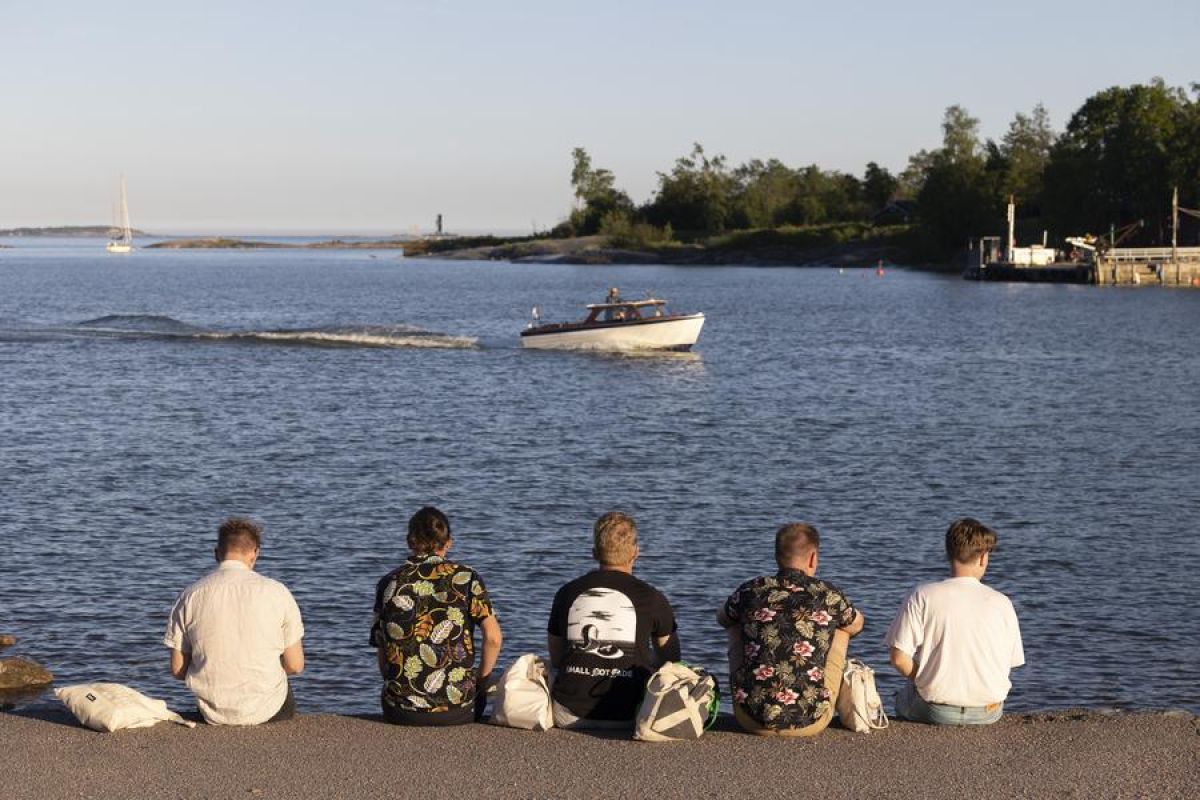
45 754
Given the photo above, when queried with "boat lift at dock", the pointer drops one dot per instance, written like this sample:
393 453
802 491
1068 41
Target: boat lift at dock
1093 260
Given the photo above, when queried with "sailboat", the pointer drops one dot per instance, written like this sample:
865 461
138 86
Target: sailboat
121 237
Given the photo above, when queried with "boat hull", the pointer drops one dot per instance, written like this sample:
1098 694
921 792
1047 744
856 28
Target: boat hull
118 247
674 333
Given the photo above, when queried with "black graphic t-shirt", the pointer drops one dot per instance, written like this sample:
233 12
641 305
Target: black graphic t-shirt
608 619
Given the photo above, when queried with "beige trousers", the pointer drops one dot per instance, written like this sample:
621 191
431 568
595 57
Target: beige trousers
835 665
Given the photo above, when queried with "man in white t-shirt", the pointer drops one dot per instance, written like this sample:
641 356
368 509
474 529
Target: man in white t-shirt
956 640
235 635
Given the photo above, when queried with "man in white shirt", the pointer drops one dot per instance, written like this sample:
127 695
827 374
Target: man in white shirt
235 635
956 640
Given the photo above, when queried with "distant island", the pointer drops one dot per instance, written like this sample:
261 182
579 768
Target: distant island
226 243
65 230
844 245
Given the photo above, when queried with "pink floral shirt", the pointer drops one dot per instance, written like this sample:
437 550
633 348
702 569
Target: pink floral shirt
787 622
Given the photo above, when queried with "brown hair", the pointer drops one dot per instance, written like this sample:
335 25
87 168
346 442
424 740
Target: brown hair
794 539
428 530
614 538
238 535
967 539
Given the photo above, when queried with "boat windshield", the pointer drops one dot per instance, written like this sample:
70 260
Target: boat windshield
620 313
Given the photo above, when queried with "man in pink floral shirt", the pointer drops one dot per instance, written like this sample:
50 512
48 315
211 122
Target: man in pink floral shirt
788 635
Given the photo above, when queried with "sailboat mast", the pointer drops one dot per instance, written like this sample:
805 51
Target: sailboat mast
126 233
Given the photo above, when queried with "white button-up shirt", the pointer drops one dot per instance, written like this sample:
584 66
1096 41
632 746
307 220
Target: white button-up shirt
235 623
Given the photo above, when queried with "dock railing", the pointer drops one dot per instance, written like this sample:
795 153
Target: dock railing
1155 255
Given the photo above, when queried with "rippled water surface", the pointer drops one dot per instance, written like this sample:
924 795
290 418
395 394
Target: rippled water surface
329 394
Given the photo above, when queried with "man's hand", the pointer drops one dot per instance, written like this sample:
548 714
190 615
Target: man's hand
666 648
292 659
903 663
180 661
856 625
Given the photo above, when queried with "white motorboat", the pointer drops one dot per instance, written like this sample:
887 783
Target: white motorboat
121 238
618 324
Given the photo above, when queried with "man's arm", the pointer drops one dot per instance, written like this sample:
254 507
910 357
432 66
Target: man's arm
856 625
666 648
903 662
180 661
292 659
557 646
490 651
382 659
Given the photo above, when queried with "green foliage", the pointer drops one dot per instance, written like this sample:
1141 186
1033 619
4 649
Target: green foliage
624 232
959 191
596 193
696 195
1117 161
1122 153
878 186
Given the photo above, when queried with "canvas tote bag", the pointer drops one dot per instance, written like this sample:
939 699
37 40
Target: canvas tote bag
858 702
681 702
114 707
523 696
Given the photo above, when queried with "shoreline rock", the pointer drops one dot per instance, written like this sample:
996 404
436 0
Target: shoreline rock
7 640
23 674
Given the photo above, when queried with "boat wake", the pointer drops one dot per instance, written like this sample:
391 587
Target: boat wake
152 326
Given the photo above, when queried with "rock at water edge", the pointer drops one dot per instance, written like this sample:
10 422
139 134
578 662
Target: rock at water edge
22 673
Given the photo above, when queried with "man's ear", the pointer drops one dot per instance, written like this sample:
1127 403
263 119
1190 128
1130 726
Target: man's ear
812 559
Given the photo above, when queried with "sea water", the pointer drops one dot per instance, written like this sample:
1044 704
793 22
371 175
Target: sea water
330 394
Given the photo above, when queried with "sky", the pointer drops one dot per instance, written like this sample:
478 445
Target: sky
374 117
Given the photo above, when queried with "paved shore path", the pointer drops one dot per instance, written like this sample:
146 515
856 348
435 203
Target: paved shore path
45 754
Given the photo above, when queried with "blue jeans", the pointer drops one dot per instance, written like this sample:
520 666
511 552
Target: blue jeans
911 706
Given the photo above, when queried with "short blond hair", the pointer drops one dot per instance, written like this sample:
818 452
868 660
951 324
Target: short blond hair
614 539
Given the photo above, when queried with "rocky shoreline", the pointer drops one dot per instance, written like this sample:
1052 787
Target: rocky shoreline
594 250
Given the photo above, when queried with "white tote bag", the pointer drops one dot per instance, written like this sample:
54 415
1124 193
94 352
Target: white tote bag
523 696
680 703
858 702
113 707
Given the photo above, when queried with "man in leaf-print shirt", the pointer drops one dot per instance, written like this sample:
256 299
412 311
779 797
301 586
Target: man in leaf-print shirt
426 612
788 637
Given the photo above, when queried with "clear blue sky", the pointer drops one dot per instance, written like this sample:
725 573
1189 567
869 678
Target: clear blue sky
375 116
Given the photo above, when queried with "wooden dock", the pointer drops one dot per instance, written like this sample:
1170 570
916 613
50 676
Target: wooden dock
1121 266
1148 266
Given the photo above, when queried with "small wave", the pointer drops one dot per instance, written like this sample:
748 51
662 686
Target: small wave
155 326
138 323
400 336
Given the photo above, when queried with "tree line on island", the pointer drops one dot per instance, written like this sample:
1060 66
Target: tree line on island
1117 161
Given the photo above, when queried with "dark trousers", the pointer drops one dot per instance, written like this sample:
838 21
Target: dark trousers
287 710
455 716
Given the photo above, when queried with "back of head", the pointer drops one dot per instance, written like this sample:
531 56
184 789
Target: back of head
428 531
614 539
967 539
238 535
795 541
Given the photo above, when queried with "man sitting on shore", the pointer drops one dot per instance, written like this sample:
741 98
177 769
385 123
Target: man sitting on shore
788 636
602 628
956 640
427 611
235 635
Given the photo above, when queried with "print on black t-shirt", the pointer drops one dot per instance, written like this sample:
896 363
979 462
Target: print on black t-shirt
607 618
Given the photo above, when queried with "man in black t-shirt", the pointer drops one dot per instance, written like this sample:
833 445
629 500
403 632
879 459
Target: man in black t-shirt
608 632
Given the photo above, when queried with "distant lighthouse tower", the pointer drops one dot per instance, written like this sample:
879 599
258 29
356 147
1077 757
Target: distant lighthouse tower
439 224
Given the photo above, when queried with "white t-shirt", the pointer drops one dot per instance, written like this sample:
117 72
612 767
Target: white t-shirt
964 638
235 624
